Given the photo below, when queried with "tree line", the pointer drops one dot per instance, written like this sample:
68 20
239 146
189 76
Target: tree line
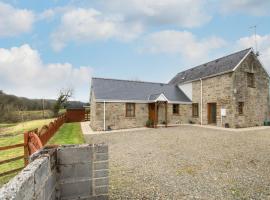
12 108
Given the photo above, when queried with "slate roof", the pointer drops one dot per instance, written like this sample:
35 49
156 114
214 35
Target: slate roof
220 65
125 90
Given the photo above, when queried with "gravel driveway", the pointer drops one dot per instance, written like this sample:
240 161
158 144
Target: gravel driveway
188 163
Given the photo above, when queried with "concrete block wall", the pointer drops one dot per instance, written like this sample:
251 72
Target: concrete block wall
83 171
36 181
67 172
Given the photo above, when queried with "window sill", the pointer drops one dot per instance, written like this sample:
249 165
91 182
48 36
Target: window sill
176 114
195 116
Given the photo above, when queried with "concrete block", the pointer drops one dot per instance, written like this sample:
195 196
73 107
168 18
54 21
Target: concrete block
71 177
100 148
74 154
75 171
101 156
101 165
101 190
53 196
19 188
101 181
39 195
53 160
76 189
50 185
101 173
27 190
41 173
99 197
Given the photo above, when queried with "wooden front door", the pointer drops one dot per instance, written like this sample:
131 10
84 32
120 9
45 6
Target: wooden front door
153 113
212 113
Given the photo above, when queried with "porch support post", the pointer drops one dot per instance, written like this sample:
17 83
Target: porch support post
166 112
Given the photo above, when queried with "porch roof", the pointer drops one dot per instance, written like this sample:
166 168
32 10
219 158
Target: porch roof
129 91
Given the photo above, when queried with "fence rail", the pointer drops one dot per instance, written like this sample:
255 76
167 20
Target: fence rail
11 159
33 141
11 146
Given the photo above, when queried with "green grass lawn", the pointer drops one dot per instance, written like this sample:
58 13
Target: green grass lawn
69 133
21 127
15 129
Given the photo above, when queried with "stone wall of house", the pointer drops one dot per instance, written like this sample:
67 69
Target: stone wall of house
217 90
229 89
93 109
116 116
255 99
184 116
96 115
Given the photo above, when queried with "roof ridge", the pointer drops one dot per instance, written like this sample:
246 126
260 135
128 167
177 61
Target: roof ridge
130 80
214 60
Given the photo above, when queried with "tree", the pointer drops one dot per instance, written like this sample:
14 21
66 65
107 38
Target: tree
62 99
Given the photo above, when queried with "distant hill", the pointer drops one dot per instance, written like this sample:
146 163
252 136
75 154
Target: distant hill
22 103
12 106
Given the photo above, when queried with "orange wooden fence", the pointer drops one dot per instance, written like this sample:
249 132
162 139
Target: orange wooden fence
33 141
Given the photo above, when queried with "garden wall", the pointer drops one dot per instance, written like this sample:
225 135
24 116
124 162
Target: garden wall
66 172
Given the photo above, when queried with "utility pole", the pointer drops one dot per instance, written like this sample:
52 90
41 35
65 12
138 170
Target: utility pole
43 108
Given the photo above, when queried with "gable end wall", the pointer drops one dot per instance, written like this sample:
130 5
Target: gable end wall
256 100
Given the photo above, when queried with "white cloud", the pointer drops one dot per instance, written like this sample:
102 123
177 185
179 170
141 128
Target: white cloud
183 43
184 13
253 7
14 21
22 72
47 14
263 42
86 25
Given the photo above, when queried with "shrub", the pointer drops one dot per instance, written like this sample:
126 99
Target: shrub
149 123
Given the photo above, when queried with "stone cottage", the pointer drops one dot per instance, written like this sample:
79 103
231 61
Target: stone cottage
232 91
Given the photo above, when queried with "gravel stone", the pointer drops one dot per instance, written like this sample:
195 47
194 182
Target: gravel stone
188 162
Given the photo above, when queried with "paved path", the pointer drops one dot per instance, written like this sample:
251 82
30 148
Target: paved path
87 130
257 128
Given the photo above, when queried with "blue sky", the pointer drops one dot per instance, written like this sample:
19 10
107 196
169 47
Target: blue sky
49 45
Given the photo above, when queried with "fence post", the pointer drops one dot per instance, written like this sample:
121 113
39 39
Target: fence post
26 152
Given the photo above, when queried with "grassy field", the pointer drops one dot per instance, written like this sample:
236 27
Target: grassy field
35 114
15 132
14 129
69 133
